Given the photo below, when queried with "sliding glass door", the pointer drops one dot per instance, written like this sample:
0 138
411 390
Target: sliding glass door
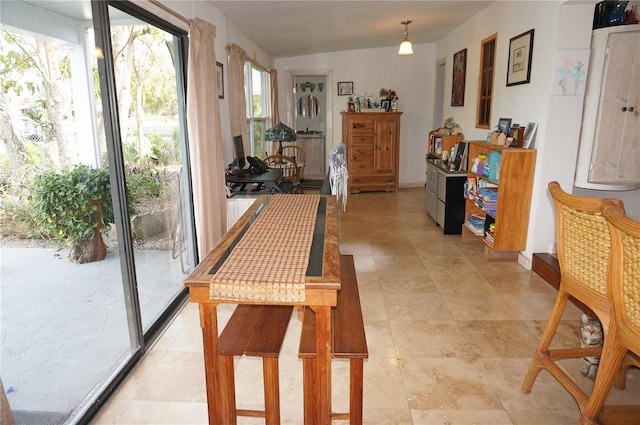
75 114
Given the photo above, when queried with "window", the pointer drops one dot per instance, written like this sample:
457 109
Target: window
485 95
59 106
256 87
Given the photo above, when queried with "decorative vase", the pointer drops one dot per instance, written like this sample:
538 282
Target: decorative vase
617 16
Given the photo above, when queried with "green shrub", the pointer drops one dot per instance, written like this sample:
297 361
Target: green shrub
72 205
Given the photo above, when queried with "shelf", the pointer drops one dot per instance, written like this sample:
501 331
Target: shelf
513 201
476 231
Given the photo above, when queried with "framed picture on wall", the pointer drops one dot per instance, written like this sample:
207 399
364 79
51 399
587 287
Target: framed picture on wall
220 79
459 76
345 88
520 54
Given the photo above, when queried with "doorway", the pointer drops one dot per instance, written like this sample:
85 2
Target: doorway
309 109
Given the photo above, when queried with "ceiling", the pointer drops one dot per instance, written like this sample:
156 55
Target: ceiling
293 28
302 27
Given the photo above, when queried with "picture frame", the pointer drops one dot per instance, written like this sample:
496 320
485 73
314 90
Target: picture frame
386 105
459 77
504 125
520 56
529 134
345 88
220 79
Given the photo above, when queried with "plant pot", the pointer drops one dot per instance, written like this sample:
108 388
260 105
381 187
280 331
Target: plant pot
89 250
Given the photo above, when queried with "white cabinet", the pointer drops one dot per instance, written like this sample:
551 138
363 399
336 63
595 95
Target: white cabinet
444 200
609 153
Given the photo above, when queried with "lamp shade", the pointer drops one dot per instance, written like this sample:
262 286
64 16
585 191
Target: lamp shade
405 48
280 133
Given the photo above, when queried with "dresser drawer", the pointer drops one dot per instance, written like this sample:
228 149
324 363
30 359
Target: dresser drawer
361 167
362 125
361 152
362 139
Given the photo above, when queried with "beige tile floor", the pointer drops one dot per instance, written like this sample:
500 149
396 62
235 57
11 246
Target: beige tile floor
450 337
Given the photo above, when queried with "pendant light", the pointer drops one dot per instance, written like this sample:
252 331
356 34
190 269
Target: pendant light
405 46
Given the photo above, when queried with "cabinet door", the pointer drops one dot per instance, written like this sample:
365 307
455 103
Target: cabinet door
616 152
432 178
385 149
431 204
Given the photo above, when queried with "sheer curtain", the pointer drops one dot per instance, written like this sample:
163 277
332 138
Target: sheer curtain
273 79
205 137
237 98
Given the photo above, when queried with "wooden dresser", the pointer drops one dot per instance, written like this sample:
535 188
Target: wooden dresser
372 140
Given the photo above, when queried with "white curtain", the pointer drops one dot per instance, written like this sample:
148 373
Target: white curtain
237 98
205 137
275 113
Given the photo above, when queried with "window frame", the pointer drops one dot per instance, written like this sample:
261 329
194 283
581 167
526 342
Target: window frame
257 124
486 77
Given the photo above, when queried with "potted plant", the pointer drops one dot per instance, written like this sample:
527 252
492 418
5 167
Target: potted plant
75 207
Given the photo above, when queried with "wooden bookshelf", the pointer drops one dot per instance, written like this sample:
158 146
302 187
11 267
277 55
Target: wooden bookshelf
438 143
514 188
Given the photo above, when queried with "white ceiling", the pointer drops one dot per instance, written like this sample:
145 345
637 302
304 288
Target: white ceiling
301 27
293 28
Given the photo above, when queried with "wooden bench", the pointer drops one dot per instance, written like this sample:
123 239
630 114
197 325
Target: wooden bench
257 331
349 342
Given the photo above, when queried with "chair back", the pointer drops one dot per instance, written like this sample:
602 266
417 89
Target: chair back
299 155
583 244
624 267
287 164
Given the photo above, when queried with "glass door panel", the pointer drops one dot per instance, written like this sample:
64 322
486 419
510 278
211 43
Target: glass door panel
69 331
150 117
64 326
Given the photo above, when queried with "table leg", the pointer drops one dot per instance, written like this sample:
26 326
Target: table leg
323 363
215 401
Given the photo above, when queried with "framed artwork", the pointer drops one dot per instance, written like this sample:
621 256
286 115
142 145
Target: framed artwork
386 105
570 72
459 75
220 79
345 88
520 54
529 134
504 125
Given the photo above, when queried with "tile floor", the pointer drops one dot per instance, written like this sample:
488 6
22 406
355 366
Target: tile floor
450 337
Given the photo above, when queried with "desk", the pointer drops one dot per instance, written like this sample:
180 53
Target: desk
321 283
270 181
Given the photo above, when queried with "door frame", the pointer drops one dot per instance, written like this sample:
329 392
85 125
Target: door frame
291 103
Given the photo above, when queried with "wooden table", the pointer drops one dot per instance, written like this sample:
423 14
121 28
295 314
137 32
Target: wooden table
322 281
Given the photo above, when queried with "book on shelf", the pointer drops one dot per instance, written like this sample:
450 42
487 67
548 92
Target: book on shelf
475 223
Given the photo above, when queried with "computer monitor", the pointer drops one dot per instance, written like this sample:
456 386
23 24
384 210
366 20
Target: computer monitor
239 148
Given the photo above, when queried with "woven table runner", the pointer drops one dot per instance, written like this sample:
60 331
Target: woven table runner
269 263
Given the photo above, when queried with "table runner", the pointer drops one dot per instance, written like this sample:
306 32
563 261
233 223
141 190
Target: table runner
269 263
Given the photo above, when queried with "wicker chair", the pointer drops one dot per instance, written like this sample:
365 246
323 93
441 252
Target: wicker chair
583 250
624 333
288 165
300 156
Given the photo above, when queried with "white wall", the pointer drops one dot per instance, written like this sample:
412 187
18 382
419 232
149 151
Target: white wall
412 77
